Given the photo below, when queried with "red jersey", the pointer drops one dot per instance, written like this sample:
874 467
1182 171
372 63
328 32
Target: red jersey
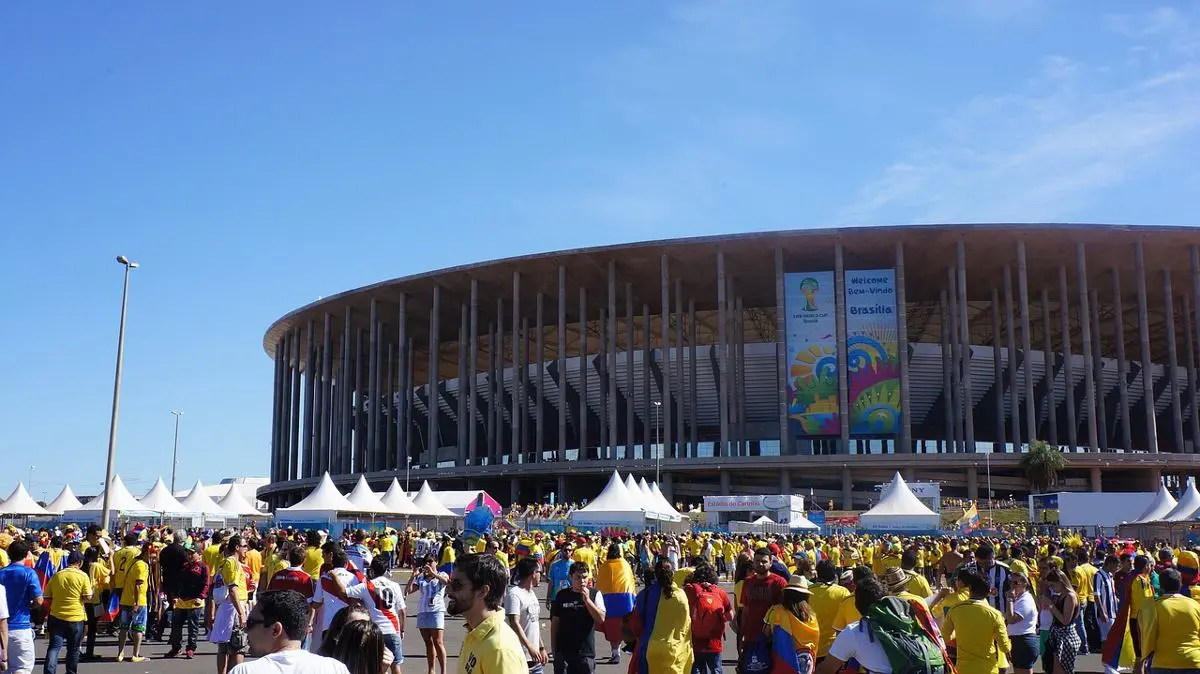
758 596
292 579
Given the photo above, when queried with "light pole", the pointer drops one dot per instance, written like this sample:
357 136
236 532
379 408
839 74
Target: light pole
116 404
988 462
29 484
657 439
175 452
407 473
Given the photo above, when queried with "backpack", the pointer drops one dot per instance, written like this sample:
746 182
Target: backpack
909 648
708 611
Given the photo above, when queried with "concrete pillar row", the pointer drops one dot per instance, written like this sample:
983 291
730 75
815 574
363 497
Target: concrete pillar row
847 489
1096 482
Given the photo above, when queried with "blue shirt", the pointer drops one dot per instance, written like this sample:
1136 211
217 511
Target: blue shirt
22 585
560 577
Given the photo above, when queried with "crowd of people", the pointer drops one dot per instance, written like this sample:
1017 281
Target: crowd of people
305 601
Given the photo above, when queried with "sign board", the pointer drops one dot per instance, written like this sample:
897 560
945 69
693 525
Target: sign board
811 347
872 352
753 502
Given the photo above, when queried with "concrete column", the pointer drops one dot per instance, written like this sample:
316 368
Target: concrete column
957 371
722 447
1190 362
668 486
1096 482
1031 420
847 489
514 491
997 374
540 348
602 357
905 445
360 387
1014 393
972 484
681 380
739 407
463 422
389 411
276 399
560 345
1172 360
1064 304
493 425
693 418
309 390
1194 343
648 412
630 441
432 441
411 356
561 492
285 408
948 380
526 417
726 483
517 421
665 343
839 291
1097 365
294 435
785 481
781 362
321 412
583 374
318 399
1048 366
1085 332
402 416
610 361
1147 363
472 380
373 389
345 397
965 345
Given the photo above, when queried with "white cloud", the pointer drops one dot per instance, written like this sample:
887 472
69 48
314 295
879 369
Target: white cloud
1051 148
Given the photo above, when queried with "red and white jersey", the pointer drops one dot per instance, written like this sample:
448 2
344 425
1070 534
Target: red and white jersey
384 599
294 579
330 604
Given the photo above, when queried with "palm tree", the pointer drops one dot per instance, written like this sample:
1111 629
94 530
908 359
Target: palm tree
1041 464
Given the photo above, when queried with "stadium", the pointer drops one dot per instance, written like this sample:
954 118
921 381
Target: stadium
815 362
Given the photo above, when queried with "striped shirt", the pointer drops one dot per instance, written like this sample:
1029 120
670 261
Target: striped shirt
997 577
1106 594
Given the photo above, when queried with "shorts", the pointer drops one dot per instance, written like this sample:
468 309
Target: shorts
133 618
21 651
392 642
224 648
431 621
1025 651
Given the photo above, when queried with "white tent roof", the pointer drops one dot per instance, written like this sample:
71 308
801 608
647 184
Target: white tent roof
398 502
1162 504
636 492
1188 504
898 499
426 501
159 499
763 520
325 497
364 499
64 501
799 521
235 501
198 501
615 497
21 503
657 494
121 500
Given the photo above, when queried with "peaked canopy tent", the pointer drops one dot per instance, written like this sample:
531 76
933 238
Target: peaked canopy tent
899 510
1158 509
121 503
364 500
199 502
1188 505
65 501
614 508
160 500
320 509
399 503
656 497
19 502
427 501
458 501
235 501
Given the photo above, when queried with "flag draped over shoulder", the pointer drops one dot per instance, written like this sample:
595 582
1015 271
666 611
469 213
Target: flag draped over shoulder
664 628
791 637
615 581
1117 650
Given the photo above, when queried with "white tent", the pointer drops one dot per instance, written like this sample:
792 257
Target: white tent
639 496
21 503
899 510
160 500
1162 504
399 503
800 522
1188 505
656 496
63 502
457 501
426 501
235 501
324 502
199 502
614 507
121 501
365 500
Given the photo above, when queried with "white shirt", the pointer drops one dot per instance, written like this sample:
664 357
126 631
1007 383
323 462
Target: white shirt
525 605
384 600
856 643
3 603
1025 607
433 595
294 661
331 604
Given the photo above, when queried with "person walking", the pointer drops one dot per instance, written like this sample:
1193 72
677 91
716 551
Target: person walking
476 592
135 606
274 629
431 611
1022 620
66 591
384 601
23 591
979 630
98 572
791 625
711 610
229 599
189 591
574 616
661 626
1062 647
523 610
1171 629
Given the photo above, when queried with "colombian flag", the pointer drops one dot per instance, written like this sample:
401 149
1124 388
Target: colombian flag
49 563
664 628
1117 650
793 643
969 521
614 579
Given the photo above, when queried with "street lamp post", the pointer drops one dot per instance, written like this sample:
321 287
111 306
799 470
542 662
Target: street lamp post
116 403
29 484
988 462
175 452
657 439
407 473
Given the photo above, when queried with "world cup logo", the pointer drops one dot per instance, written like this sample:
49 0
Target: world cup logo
809 288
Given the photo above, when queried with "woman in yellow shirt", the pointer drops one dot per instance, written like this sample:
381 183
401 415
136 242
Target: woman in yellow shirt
979 631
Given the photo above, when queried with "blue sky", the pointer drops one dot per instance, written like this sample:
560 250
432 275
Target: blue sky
224 146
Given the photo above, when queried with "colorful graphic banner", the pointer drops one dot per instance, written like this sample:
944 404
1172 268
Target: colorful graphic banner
872 352
811 343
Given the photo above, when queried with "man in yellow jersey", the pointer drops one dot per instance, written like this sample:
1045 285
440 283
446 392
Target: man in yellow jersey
66 591
123 560
475 592
134 604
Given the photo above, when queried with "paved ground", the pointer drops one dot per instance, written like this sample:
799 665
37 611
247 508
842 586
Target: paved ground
414 650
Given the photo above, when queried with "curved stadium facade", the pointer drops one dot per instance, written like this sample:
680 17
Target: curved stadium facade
814 362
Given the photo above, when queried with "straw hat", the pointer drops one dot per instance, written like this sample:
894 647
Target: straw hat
798 584
894 579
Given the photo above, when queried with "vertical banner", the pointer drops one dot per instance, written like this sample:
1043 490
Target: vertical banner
872 352
811 327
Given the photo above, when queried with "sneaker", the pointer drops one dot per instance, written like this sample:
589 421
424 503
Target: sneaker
120 657
173 653
137 658
189 654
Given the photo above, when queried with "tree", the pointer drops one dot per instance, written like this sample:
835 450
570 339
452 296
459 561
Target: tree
1041 464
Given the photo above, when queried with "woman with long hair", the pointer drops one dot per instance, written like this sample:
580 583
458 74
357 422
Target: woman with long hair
791 626
1063 604
661 626
1022 624
356 642
431 610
